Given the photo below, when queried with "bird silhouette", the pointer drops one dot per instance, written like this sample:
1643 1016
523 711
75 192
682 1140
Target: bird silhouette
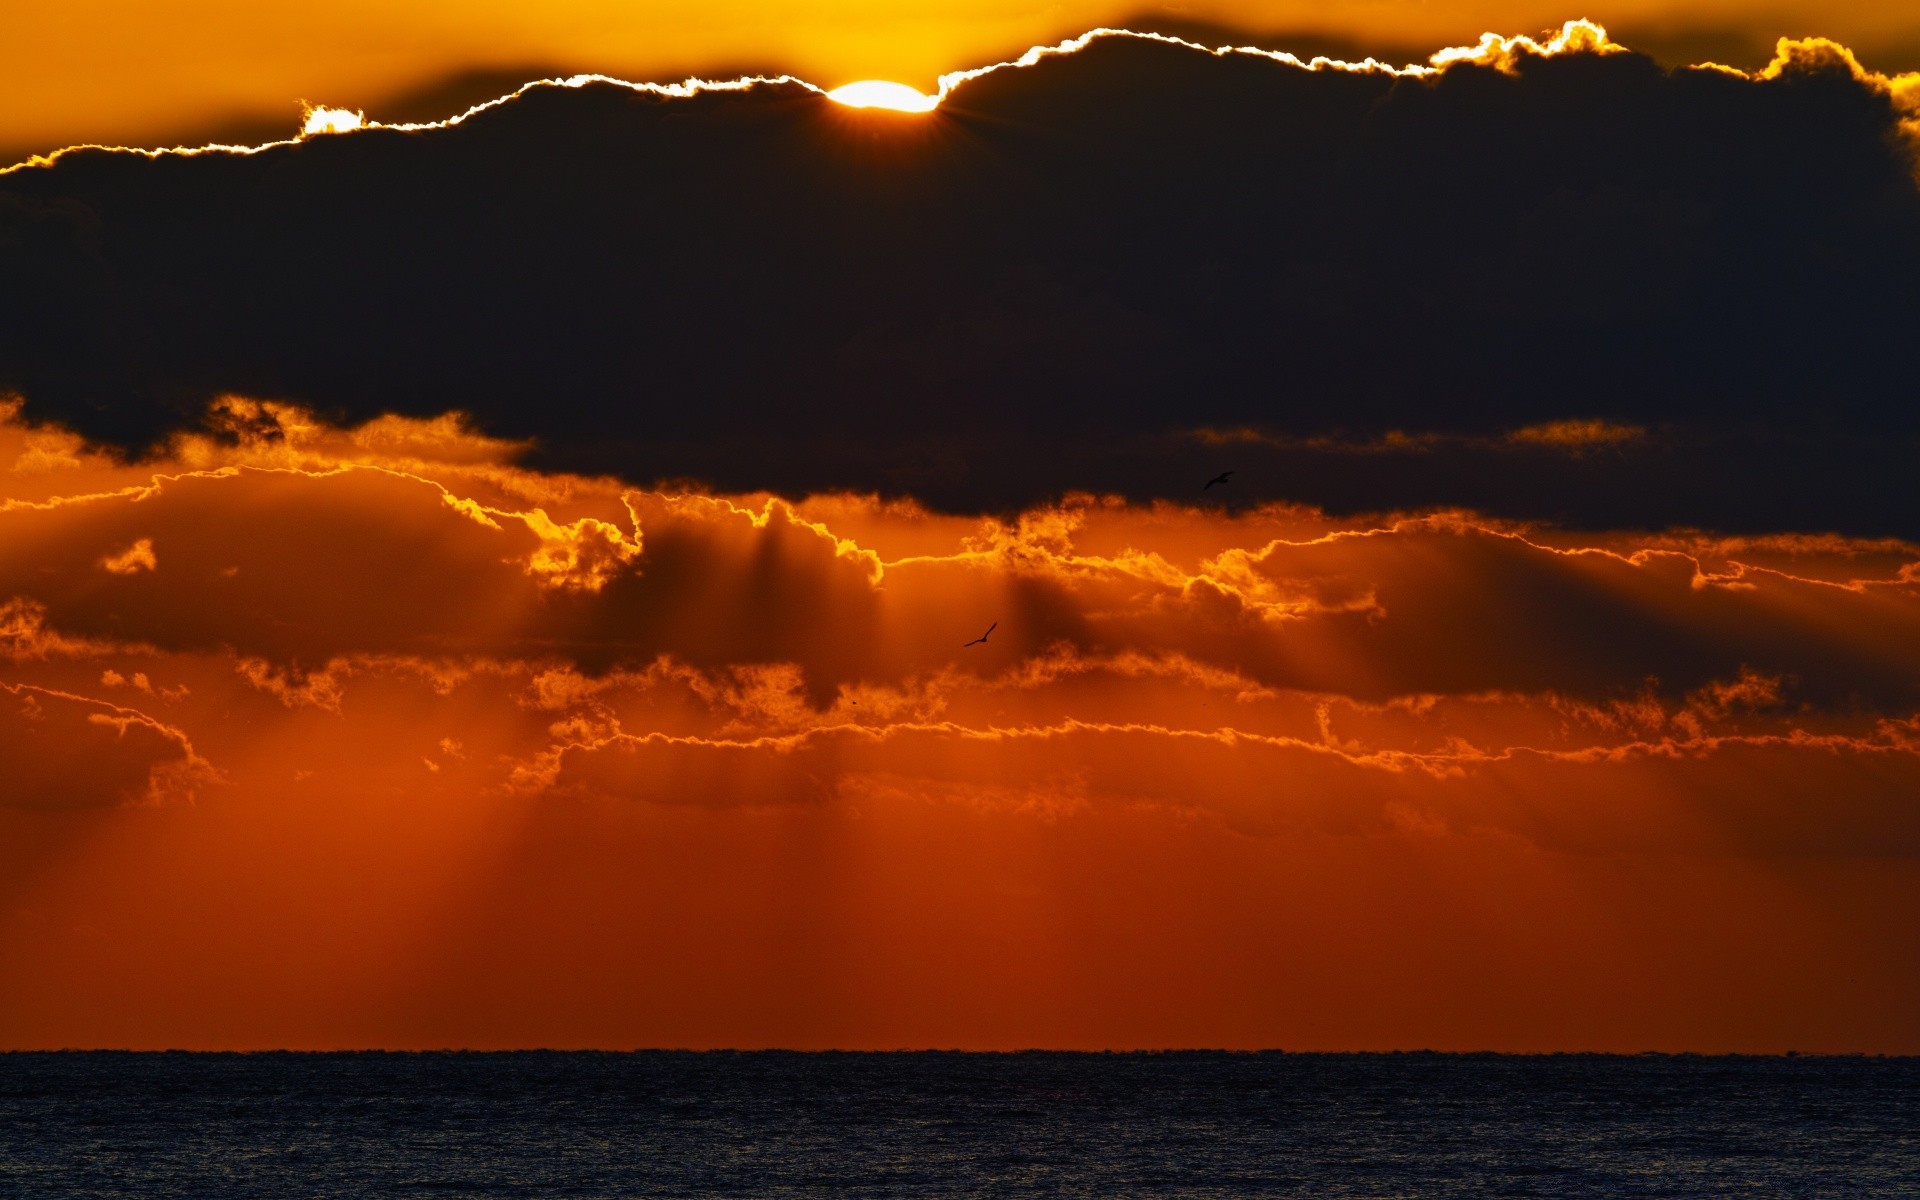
983 637
1222 477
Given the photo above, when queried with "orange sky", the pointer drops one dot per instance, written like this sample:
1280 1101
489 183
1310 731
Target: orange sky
125 72
326 738
328 735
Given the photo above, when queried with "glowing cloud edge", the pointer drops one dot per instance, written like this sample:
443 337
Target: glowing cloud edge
1492 50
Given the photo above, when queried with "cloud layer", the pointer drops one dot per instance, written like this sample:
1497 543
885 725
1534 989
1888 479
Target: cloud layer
392 642
128 73
1077 274
522 581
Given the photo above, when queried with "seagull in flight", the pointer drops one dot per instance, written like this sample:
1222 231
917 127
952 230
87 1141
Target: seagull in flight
1222 477
983 637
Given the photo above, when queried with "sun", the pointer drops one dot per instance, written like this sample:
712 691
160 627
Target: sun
320 119
882 93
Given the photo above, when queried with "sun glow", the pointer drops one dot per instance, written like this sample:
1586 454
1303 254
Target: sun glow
330 120
881 93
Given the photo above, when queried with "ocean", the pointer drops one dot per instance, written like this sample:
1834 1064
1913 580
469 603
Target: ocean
778 1124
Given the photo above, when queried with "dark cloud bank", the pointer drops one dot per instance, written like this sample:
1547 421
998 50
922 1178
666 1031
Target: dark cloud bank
1053 282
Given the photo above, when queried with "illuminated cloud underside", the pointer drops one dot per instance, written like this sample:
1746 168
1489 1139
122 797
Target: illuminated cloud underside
370 735
392 629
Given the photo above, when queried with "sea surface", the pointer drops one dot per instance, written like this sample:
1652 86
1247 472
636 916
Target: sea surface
909 1125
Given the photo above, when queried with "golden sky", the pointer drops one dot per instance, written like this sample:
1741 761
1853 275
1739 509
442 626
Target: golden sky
134 72
418 628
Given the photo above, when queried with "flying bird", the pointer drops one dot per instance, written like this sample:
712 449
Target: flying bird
983 637
1222 477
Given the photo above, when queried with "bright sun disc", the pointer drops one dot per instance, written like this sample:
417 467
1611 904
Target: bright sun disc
330 120
881 93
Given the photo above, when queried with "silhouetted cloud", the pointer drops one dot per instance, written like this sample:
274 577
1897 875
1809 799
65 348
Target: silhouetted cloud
518 580
1056 281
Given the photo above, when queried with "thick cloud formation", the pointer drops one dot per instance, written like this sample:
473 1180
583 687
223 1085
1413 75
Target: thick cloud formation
325 736
711 650
518 582
1118 269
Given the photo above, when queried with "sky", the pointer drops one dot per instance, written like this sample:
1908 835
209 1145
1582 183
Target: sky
131 73
1163 549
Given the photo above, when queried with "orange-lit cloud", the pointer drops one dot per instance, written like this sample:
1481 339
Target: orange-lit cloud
67 751
402 726
496 703
1572 435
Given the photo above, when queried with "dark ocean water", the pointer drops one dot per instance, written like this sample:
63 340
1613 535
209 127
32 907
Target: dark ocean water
776 1124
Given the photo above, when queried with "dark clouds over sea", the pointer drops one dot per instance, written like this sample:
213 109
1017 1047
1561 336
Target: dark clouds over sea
1579 287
